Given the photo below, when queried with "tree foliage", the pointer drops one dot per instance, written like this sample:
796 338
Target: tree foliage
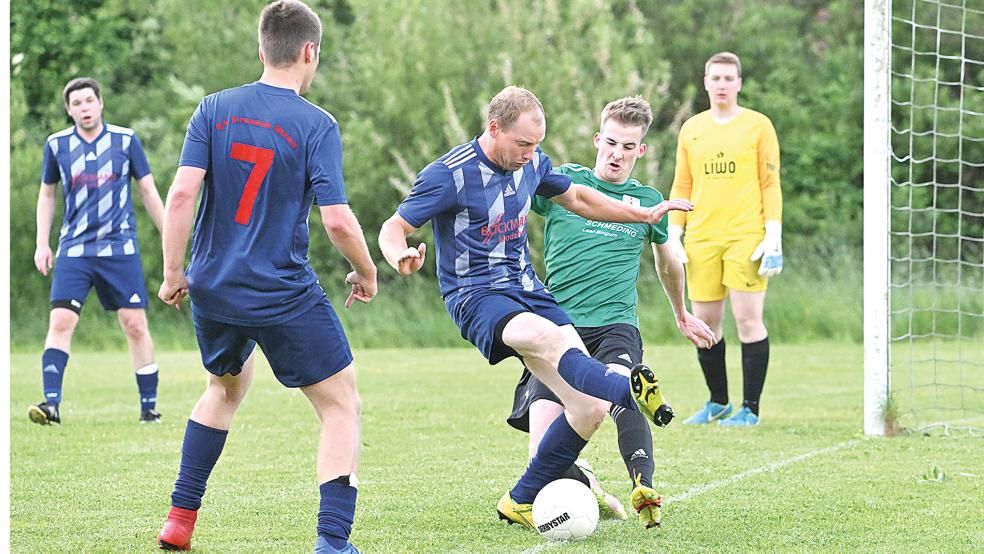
409 79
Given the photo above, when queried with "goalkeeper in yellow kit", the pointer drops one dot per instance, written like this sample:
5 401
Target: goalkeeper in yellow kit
727 165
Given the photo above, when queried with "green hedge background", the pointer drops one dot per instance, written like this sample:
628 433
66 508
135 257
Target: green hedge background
409 79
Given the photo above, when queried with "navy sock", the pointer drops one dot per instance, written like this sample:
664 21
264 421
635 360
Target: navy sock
337 511
199 452
754 363
715 373
147 385
635 443
558 449
593 378
53 363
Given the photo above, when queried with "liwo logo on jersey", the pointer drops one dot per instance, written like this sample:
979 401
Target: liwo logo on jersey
720 167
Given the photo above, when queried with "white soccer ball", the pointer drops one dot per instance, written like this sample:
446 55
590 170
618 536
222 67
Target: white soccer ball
565 509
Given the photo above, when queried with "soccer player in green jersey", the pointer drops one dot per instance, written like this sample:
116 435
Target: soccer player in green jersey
592 270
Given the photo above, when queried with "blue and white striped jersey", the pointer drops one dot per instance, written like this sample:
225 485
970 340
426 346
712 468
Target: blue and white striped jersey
95 178
479 212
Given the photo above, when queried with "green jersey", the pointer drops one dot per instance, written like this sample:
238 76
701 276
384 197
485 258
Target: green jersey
593 266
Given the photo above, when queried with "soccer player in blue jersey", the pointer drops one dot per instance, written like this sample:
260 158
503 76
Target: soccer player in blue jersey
97 246
265 154
592 272
478 196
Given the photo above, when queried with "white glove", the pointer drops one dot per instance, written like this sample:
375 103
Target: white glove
770 250
674 232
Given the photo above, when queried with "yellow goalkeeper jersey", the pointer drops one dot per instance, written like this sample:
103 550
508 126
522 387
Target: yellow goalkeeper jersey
730 172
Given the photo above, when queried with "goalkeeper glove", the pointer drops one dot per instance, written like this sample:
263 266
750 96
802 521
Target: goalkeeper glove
674 232
770 250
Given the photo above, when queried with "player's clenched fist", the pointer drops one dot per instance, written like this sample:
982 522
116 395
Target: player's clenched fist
411 260
173 289
363 288
43 259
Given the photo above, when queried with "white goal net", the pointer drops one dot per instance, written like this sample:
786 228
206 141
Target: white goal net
924 304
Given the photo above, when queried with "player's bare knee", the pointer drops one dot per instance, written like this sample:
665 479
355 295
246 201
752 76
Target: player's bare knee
530 340
233 396
227 390
334 409
62 322
588 415
750 329
546 341
335 397
135 327
597 413
344 400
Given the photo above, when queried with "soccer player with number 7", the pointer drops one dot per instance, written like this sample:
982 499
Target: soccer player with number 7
727 164
265 155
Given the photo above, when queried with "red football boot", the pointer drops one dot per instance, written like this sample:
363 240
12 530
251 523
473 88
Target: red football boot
178 528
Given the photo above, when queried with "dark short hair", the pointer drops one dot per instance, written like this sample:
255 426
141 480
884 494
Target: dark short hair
512 102
632 111
285 26
80 83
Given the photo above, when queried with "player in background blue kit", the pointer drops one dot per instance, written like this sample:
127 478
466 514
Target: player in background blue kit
478 196
265 154
97 244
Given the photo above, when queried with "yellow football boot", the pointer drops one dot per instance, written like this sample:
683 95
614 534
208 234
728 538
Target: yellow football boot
647 503
648 396
513 512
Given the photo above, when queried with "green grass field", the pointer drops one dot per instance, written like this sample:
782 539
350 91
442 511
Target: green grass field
437 455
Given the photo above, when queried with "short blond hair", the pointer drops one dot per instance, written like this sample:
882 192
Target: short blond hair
725 58
631 111
510 103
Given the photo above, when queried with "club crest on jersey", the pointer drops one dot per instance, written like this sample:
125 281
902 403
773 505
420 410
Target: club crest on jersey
630 200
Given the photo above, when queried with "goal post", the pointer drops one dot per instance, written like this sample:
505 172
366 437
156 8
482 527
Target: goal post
924 216
877 181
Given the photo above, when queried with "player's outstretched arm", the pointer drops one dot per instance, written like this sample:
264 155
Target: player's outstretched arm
393 242
179 217
43 259
152 200
671 276
345 233
591 204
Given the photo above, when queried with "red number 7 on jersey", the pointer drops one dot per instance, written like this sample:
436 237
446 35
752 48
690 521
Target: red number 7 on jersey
262 158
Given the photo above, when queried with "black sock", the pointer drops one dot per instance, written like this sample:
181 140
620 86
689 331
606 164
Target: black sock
576 474
715 375
635 443
754 363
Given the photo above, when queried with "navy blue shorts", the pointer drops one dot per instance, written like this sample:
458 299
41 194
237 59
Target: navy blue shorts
119 282
482 316
302 351
618 343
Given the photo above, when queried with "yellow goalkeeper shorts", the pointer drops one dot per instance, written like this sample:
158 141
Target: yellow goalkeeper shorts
718 265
